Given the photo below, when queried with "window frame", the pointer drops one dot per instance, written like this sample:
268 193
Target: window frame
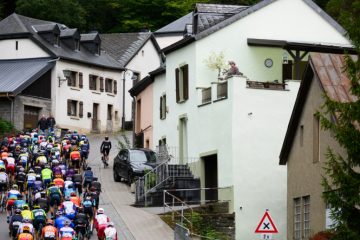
163 107
182 83
94 79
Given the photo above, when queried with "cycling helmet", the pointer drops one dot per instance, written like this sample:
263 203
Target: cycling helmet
83 138
16 187
31 170
49 222
43 194
17 211
52 184
67 198
100 211
80 209
38 177
21 169
36 207
59 213
110 224
25 207
75 149
10 154
73 194
67 222
26 229
106 138
88 168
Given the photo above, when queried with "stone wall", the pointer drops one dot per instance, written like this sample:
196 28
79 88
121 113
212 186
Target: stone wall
5 109
20 101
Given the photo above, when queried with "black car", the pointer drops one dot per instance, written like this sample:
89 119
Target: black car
131 163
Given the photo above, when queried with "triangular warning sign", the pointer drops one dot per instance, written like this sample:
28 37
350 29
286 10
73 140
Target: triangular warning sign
266 225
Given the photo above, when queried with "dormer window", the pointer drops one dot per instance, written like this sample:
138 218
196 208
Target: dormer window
77 45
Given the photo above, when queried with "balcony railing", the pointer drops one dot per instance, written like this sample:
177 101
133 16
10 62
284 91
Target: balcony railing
222 89
206 95
265 85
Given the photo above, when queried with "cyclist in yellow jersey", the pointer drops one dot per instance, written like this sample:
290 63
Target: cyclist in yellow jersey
46 175
26 213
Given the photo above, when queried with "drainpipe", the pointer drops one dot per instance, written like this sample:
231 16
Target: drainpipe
12 109
133 119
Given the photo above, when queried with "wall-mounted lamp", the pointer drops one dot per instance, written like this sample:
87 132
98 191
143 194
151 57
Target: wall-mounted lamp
64 76
285 57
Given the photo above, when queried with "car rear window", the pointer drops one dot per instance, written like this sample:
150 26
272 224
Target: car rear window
140 156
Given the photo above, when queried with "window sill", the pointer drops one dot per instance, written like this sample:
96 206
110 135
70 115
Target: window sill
75 88
74 118
98 93
181 101
110 94
204 104
220 99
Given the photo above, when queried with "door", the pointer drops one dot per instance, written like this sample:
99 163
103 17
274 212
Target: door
31 117
211 177
95 122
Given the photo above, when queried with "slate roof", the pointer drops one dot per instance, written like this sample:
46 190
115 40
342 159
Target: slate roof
14 81
328 70
176 26
124 46
15 25
213 17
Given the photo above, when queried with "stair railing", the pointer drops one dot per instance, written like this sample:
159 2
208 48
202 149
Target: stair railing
153 178
175 201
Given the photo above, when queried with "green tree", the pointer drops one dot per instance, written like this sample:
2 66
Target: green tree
342 180
67 12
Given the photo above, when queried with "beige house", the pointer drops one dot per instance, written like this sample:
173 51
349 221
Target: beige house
305 145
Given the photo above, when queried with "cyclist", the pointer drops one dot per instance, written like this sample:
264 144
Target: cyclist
15 222
85 148
19 203
38 182
88 177
26 213
101 221
39 217
4 180
77 179
75 199
10 167
105 149
59 182
12 196
30 180
68 208
49 232
81 222
60 220
20 178
54 195
67 232
75 157
42 201
88 205
41 160
46 175
26 226
110 232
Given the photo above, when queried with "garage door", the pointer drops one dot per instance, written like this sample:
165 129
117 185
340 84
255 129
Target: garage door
31 117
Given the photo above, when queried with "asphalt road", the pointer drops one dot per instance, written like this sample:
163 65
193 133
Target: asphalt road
105 198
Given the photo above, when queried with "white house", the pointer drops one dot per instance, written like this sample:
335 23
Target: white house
138 53
230 131
49 68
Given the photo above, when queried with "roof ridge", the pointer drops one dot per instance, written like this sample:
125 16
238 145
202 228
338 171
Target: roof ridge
18 20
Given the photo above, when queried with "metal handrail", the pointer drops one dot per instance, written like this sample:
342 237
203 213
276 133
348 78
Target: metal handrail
173 205
161 175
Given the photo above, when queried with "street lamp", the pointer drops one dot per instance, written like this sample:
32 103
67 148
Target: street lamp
132 77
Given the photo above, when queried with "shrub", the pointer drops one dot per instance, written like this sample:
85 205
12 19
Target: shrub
5 127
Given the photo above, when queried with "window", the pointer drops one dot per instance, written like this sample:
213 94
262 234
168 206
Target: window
206 95
75 79
75 108
109 112
108 85
163 107
222 90
182 83
93 82
316 139
302 218
297 218
306 226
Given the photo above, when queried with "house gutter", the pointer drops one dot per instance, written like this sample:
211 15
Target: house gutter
133 118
